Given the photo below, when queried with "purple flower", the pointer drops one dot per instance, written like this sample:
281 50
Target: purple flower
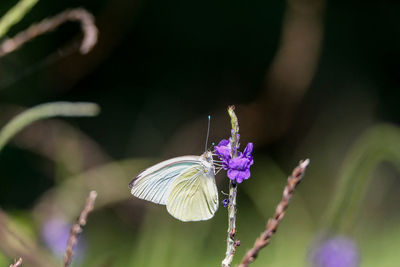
55 233
336 252
223 149
225 202
247 152
239 167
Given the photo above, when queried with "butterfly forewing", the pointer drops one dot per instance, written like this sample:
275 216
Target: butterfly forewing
153 183
193 195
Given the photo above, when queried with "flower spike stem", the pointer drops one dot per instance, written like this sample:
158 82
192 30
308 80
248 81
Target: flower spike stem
17 263
231 243
272 225
77 227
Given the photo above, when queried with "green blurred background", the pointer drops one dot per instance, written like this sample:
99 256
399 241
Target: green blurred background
309 79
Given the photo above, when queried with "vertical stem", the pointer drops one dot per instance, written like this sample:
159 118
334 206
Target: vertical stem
230 240
231 243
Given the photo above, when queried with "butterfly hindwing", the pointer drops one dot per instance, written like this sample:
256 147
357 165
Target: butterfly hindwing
153 183
193 195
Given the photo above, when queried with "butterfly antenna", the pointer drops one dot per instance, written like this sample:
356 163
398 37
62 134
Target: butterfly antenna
208 132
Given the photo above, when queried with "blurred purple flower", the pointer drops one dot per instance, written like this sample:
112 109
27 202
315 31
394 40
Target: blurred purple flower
239 167
339 251
55 233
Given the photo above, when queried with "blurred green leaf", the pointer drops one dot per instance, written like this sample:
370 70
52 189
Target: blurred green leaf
43 111
378 144
15 14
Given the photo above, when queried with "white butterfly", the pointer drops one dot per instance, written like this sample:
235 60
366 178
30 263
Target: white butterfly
186 185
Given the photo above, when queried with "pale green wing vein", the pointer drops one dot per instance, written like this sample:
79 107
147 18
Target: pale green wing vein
153 183
193 195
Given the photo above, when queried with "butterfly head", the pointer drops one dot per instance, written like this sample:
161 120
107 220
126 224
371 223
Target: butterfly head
208 156
207 161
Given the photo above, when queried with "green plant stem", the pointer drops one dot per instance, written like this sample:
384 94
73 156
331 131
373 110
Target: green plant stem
230 240
231 243
378 144
43 111
15 14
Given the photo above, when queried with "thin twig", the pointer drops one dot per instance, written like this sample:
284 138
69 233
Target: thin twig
17 263
231 243
272 225
76 229
86 19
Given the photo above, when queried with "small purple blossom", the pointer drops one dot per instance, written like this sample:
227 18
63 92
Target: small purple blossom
339 251
223 151
225 202
247 152
239 167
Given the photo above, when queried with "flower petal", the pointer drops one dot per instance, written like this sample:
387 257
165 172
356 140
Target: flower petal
239 163
232 174
245 174
223 142
225 202
223 150
248 150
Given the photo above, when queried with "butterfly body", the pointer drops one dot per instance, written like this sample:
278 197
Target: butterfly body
186 185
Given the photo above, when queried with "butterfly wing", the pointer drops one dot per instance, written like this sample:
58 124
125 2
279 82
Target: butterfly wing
152 184
193 195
